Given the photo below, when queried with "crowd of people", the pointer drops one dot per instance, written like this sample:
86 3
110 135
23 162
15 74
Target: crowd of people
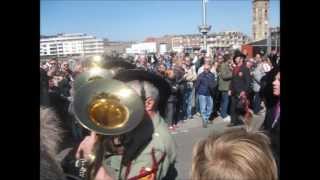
210 86
229 85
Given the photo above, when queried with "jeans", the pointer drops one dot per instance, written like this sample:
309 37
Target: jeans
187 103
256 102
206 106
197 106
224 104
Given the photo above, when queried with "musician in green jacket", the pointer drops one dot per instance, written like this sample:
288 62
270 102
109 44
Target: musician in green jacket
151 151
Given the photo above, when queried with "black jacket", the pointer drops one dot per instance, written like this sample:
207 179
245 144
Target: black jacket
273 132
266 90
240 83
64 87
174 89
274 58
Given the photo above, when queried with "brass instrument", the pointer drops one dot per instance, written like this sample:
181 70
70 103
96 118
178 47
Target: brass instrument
92 74
93 71
95 67
105 106
108 107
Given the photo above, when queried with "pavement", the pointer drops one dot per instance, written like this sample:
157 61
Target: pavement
192 131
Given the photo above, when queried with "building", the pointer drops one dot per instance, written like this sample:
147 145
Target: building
260 22
144 47
264 45
274 38
188 41
215 41
164 44
112 48
64 45
226 40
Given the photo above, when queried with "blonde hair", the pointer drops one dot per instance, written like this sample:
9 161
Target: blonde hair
234 155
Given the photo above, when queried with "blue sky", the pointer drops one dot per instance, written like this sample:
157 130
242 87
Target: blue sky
136 19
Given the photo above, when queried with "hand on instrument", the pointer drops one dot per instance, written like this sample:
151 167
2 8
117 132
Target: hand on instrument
86 146
102 175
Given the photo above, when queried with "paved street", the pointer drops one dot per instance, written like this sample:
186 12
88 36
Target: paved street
191 132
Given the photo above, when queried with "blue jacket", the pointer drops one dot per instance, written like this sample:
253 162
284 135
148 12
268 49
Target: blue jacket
205 84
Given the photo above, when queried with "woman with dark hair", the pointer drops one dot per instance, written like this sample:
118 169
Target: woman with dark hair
171 108
271 124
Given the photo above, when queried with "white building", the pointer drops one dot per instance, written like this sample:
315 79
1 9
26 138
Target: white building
78 44
163 48
220 40
227 39
145 47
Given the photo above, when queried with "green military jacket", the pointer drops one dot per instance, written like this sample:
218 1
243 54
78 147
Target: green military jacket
225 76
162 144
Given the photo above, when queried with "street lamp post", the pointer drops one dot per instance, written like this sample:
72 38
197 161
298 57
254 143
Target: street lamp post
204 28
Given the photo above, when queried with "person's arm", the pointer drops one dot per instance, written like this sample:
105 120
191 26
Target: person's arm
246 77
231 86
198 82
